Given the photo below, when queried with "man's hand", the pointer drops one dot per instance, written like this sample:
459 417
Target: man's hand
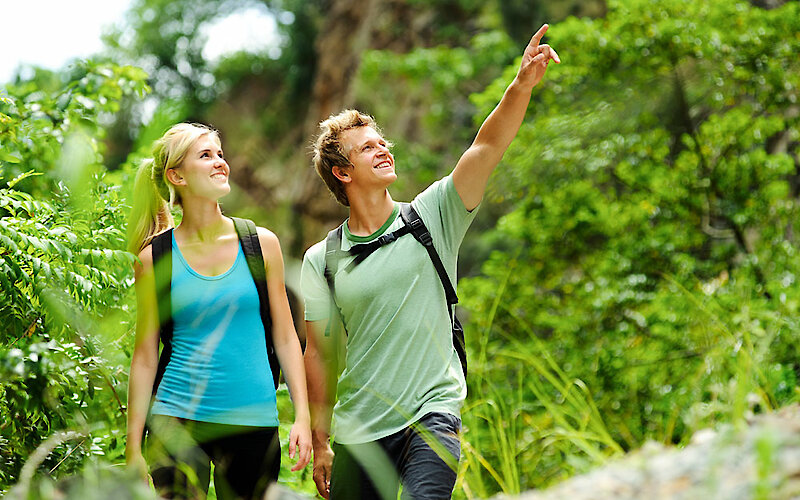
323 465
535 60
498 130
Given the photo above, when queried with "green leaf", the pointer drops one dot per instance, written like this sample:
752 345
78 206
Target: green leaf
13 182
9 157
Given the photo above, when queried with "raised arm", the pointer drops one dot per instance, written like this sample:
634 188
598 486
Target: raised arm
500 127
287 348
144 361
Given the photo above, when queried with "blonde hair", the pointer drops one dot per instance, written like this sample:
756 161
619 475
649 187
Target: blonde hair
328 151
153 195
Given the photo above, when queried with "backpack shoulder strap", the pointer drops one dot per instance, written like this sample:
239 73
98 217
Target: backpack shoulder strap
162 269
412 219
333 254
248 237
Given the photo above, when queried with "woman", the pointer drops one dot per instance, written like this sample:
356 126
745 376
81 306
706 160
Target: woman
216 400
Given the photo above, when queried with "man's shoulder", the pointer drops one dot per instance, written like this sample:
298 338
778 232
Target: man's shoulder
427 202
316 251
438 188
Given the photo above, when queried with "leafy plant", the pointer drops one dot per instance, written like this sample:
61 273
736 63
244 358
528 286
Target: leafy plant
64 276
650 258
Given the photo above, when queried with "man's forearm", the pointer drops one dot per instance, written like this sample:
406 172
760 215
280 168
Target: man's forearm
495 135
501 126
321 377
320 403
503 123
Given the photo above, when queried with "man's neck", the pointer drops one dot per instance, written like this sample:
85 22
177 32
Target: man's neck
369 213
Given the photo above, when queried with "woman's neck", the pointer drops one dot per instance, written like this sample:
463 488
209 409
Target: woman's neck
203 221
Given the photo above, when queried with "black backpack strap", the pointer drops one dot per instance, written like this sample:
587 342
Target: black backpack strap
364 250
248 237
161 245
162 268
333 254
412 219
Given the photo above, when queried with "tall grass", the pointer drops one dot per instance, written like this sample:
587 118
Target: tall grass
533 410
530 423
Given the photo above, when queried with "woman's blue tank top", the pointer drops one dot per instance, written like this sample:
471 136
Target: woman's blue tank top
218 371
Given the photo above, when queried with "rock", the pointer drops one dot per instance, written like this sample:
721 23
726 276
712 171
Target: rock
278 492
759 461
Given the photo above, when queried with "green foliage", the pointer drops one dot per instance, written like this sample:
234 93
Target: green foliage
165 38
37 116
168 38
64 277
65 280
642 284
654 235
522 17
431 125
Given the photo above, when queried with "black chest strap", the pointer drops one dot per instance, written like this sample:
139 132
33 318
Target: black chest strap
413 224
413 221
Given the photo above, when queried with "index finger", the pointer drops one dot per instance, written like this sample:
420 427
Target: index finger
537 37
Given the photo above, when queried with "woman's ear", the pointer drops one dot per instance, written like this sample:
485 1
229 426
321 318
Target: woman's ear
175 177
342 173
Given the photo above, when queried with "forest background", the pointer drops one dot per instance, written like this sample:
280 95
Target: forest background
631 275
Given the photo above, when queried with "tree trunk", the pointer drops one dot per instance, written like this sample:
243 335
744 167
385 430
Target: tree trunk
339 46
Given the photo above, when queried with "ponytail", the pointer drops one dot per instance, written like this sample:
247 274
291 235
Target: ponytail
150 213
153 195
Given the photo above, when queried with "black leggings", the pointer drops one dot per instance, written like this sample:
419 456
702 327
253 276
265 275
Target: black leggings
246 459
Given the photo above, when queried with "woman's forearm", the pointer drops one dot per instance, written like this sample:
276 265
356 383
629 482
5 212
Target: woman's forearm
290 357
140 389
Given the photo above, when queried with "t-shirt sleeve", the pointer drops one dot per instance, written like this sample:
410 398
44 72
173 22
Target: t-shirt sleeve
444 214
313 287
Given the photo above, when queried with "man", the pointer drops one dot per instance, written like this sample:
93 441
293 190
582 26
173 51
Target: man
401 387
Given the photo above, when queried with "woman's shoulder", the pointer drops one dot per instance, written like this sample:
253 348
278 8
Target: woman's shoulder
265 233
146 256
269 241
143 265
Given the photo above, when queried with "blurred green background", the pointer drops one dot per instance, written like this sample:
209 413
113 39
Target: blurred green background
631 275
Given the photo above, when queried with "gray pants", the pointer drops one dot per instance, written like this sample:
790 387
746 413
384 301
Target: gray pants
423 457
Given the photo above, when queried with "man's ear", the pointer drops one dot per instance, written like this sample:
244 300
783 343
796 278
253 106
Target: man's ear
342 173
175 177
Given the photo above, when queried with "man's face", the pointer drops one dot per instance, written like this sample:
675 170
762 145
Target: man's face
373 163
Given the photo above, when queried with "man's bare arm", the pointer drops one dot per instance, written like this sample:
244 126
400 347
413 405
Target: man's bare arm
501 126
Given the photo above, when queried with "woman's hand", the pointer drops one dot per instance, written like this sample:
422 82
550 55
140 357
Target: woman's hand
300 444
136 462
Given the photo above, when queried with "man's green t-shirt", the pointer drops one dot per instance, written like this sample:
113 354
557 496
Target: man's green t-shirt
400 363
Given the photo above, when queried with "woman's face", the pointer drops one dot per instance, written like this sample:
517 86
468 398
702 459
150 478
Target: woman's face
204 171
